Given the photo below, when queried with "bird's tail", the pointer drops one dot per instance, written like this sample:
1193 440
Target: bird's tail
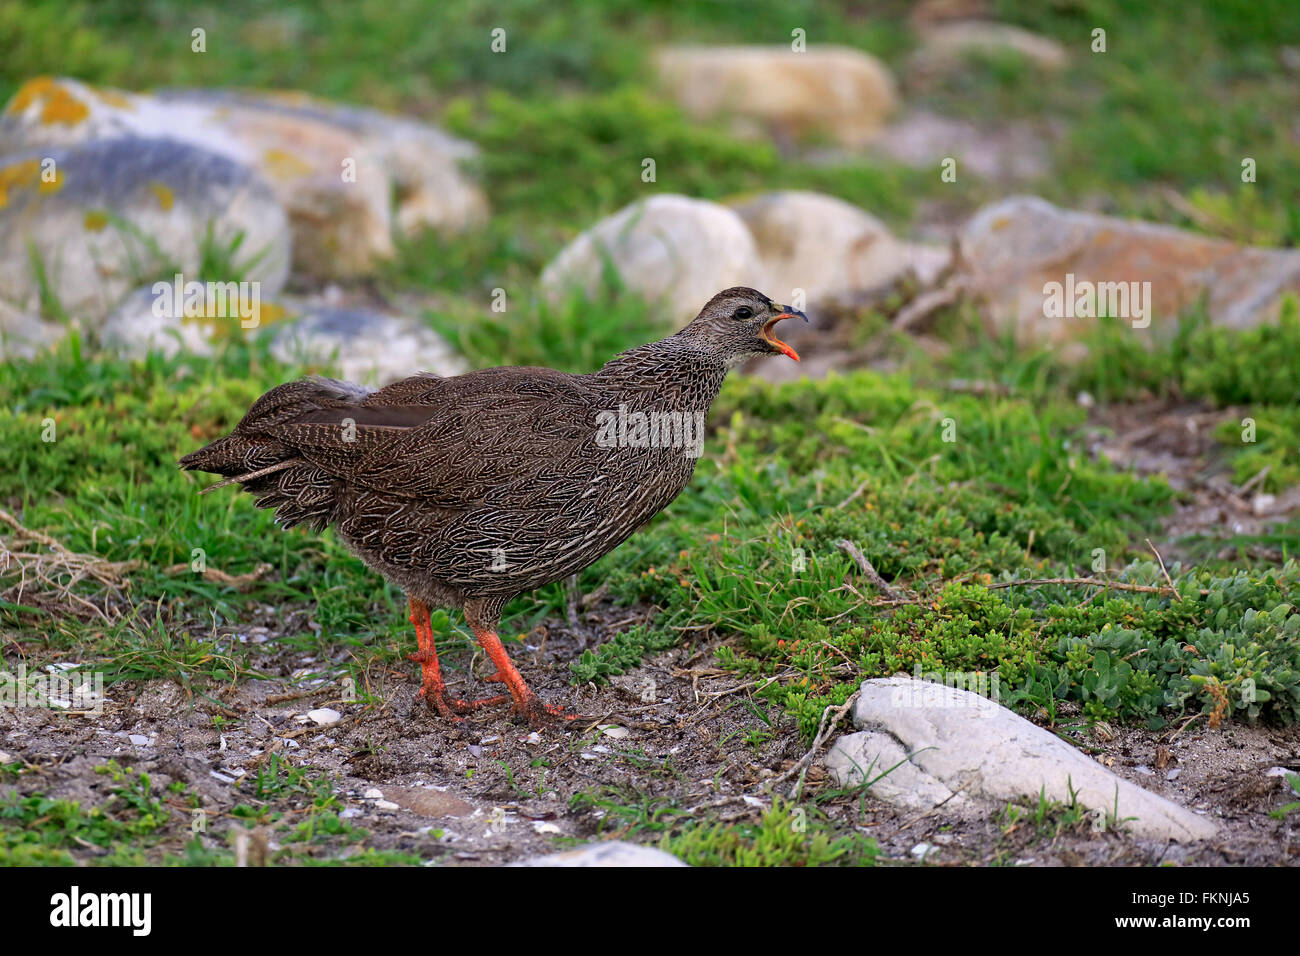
265 466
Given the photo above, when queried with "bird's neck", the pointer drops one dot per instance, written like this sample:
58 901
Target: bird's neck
675 373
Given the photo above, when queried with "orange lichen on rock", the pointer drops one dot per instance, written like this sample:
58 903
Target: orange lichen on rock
52 183
115 99
285 165
166 198
25 173
59 105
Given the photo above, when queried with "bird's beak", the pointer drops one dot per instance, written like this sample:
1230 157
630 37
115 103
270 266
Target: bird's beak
786 312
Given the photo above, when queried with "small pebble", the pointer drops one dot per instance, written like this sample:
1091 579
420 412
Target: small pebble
324 715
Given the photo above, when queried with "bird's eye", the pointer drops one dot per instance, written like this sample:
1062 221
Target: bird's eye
744 312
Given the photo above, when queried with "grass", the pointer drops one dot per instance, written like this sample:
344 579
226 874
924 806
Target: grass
137 824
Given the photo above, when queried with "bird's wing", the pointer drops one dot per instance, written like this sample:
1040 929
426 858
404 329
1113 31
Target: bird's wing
460 442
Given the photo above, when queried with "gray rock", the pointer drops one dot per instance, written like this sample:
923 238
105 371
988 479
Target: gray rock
946 47
135 328
335 169
425 166
367 346
125 211
23 335
1002 152
615 853
958 741
671 250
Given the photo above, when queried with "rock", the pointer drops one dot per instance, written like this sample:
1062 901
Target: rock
135 328
868 756
324 715
117 212
964 742
614 853
1001 152
429 803
333 168
23 335
673 251
831 89
946 47
368 346
832 250
1012 249
424 166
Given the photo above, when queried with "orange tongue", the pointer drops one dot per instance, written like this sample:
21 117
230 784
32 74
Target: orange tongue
767 334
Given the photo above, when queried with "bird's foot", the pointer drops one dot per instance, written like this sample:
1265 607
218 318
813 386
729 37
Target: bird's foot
539 713
453 708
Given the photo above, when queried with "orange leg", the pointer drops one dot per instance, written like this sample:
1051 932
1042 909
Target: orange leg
525 701
432 688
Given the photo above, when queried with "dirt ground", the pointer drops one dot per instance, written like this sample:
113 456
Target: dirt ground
673 730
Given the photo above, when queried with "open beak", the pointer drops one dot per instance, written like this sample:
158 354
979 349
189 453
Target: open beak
786 312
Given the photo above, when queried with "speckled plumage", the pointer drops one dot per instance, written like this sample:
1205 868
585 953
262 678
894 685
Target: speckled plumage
473 489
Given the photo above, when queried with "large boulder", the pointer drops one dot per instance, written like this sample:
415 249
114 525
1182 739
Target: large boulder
424 165
954 746
673 251
92 221
828 89
832 250
1031 261
335 169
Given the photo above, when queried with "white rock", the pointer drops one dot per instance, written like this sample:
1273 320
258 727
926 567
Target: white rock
140 740
829 248
386 805
615 853
671 250
324 715
962 741
374 793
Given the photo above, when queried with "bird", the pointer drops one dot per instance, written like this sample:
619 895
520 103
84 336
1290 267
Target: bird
467 491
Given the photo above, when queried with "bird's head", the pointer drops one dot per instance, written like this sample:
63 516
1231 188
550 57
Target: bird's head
738 324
